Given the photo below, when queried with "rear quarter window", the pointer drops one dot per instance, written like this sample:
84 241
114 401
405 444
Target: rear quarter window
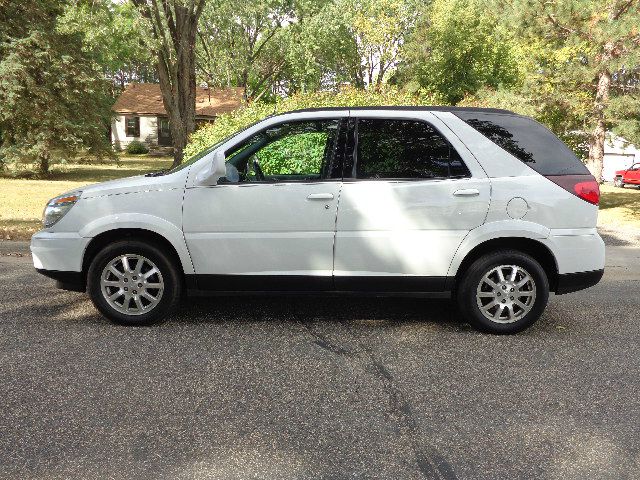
527 140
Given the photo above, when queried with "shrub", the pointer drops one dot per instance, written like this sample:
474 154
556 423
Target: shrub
136 148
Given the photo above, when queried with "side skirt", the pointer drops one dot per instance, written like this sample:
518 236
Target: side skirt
406 286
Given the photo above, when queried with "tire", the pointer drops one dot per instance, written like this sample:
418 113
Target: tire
617 182
474 293
153 295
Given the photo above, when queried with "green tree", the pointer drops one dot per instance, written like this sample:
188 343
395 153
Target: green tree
53 100
359 42
599 76
380 28
321 51
116 35
234 40
277 47
457 48
280 47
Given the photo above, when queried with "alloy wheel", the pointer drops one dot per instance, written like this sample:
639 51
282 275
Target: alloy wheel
506 293
132 284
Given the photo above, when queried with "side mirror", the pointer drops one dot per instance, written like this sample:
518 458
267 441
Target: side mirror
214 171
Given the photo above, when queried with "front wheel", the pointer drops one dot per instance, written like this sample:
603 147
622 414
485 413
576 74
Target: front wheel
133 283
617 182
503 292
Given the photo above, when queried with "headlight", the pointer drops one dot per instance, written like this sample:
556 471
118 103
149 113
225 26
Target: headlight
58 208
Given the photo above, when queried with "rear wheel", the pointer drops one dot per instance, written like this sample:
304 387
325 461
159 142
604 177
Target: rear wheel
503 292
133 283
617 182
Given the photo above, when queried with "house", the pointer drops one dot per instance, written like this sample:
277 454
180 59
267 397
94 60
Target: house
618 155
140 113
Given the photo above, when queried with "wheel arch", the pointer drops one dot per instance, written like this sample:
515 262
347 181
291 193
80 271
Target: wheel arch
107 237
540 252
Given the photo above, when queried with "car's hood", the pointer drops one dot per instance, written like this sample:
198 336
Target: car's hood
620 172
135 184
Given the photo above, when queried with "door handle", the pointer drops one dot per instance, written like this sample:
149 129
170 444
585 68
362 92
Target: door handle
320 196
467 192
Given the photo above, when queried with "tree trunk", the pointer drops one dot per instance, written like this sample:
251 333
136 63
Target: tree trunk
182 88
596 142
175 26
244 83
44 163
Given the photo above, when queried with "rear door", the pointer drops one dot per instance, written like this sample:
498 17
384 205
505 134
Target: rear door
411 193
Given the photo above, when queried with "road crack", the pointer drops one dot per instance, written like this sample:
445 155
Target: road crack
429 461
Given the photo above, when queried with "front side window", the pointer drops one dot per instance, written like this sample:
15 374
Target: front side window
132 126
404 149
292 151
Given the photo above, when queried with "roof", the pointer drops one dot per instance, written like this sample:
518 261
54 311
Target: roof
434 108
146 98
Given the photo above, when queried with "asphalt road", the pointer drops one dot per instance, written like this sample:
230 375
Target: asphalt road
318 388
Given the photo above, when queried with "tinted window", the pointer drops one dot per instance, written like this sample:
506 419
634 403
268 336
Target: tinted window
287 152
528 141
404 149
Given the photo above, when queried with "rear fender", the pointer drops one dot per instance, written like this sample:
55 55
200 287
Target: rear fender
494 230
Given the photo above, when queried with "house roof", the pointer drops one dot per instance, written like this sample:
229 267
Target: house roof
146 98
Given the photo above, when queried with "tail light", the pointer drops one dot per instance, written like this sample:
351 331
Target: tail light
583 186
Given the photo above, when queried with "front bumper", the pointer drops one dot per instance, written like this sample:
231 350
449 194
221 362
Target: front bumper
59 256
73 281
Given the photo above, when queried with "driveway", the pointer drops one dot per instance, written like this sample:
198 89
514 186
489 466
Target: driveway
308 388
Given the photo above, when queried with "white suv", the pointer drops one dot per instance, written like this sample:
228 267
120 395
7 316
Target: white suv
483 205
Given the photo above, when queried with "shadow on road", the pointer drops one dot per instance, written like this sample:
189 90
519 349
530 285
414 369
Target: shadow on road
375 311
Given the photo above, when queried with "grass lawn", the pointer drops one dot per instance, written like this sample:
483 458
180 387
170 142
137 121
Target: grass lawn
22 200
619 207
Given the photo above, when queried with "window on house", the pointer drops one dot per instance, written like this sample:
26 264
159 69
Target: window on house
404 149
164 126
132 126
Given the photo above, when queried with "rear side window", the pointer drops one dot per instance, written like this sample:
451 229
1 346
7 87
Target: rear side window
404 149
528 141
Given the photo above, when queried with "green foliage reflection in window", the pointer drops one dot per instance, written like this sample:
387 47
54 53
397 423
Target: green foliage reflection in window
296 154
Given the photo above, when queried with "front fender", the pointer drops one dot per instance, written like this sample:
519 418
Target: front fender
172 233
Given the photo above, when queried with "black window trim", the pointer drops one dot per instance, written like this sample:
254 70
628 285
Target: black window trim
354 131
342 124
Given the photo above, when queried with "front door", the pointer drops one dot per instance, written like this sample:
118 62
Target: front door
633 174
273 215
405 207
164 133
